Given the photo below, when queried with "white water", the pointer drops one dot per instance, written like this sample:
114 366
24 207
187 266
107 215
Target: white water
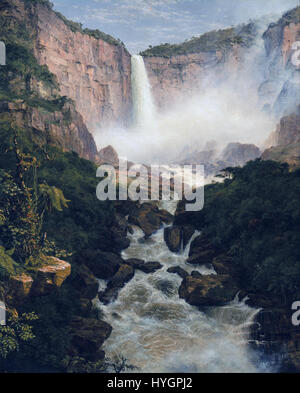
159 332
152 327
143 106
225 111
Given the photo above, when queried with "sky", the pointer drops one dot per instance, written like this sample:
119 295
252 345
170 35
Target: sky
140 23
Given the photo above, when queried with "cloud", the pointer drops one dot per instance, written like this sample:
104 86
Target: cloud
140 23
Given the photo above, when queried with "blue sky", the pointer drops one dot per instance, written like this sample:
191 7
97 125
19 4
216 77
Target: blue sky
140 23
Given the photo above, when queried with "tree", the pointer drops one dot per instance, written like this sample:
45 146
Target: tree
15 332
23 206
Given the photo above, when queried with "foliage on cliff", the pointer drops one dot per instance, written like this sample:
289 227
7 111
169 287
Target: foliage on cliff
221 40
77 27
20 77
255 215
64 179
292 16
24 204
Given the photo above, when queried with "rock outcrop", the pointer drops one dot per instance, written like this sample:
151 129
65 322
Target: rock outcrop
19 287
92 68
88 335
178 270
173 238
286 139
148 217
45 280
201 252
174 70
32 100
278 90
124 274
103 264
150 267
108 155
205 291
51 276
146 267
86 283
238 154
63 127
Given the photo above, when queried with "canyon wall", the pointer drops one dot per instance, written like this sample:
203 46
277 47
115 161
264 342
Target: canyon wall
280 90
286 141
30 96
174 70
91 71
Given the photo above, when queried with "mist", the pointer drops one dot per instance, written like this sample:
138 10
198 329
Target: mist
223 110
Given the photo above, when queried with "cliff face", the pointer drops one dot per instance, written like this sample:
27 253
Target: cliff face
185 68
63 127
30 95
92 72
286 141
187 73
280 90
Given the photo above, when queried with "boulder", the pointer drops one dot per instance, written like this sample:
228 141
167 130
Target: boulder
123 275
173 238
201 252
19 287
109 295
108 155
103 264
187 233
148 217
51 276
223 265
150 267
208 290
86 283
202 258
178 270
88 335
134 262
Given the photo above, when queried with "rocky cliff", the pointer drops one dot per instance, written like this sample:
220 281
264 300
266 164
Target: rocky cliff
286 141
30 97
92 68
187 67
280 90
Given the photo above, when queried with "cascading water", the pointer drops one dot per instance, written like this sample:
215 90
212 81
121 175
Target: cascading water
143 106
152 327
159 332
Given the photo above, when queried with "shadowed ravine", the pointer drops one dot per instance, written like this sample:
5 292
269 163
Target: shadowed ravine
159 332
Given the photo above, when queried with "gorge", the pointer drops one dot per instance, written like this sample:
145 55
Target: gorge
167 289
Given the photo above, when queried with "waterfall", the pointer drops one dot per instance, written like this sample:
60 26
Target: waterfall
159 332
143 106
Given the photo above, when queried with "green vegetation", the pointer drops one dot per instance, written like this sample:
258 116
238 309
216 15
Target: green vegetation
23 208
15 333
53 180
221 40
22 69
255 215
84 224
